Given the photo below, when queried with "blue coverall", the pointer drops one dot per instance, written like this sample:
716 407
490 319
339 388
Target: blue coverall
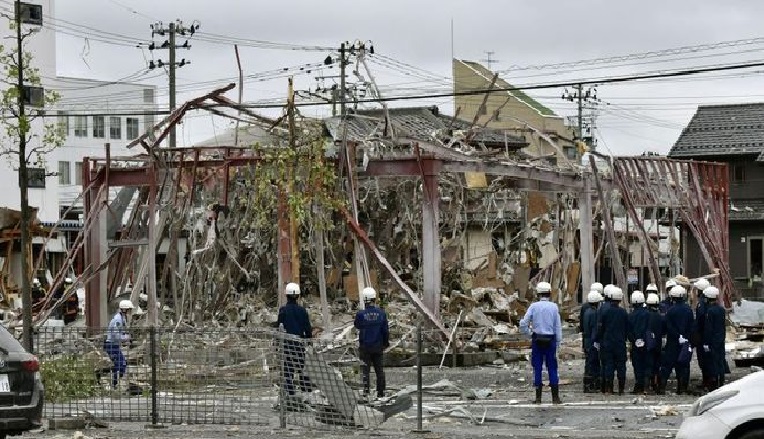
654 346
604 305
611 334
714 334
679 321
639 320
592 365
295 321
116 334
373 338
700 320
584 307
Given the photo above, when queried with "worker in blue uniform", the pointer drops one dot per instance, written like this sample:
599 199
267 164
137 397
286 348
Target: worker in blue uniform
596 286
714 334
294 320
604 305
117 335
667 301
542 322
678 353
373 338
653 341
611 340
592 355
697 332
638 334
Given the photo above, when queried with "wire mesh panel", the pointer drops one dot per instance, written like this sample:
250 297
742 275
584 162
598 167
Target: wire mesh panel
87 375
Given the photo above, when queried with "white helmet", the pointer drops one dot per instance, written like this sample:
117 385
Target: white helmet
616 294
701 284
125 304
637 297
677 291
36 282
292 289
653 299
651 287
594 297
607 290
138 311
596 286
368 294
68 280
543 288
711 292
671 283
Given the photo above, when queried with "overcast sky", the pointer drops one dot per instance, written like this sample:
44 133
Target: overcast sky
632 117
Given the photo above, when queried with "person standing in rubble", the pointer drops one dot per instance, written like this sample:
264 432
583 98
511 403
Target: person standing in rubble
596 286
71 305
667 301
38 292
116 336
639 320
678 353
604 305
714 334
697 334
654 339
592 355
373 339
294 319
542 322
611 339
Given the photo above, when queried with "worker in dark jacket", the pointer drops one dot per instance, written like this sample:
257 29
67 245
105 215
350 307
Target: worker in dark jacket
596 286
592 362
678 353
604 305
654 341
611 338
638 332
38 292
667 301
697 332
714 334
373 338
71 305
295 321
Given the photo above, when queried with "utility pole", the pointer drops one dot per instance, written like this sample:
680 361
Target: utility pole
343 64
488 60
581 96
26 269
172 31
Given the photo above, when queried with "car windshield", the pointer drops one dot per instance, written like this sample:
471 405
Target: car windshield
8 342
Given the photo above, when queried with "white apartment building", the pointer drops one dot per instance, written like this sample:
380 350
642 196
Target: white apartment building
90 113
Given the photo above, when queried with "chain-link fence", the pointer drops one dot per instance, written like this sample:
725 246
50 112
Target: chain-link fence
209 375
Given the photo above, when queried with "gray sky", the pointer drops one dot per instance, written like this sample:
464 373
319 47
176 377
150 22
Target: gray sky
632 117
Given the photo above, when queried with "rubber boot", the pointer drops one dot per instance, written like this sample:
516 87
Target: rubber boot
621 386
538 395
587 384
608 387
603 385
661 387
556 395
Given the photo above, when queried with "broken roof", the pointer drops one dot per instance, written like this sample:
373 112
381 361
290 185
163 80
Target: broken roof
723 130
417 123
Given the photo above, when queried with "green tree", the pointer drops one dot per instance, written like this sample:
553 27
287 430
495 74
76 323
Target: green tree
24 140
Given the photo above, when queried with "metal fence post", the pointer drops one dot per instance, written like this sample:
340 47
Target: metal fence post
419 378
153 363
282 391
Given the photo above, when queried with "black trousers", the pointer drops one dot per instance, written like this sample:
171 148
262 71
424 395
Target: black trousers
373 359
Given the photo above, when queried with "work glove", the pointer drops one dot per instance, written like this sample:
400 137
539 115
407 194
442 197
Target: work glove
682 340
706 348
639 343
596 345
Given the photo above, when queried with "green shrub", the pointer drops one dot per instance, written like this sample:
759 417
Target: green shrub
69 377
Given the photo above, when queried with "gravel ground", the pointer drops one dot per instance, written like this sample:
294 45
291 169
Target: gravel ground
507 412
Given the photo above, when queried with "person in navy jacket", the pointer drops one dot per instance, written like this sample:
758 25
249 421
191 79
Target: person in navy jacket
373 338
294 320
714 334
678 352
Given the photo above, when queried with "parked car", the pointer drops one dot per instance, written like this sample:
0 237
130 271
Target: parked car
21 389
733 411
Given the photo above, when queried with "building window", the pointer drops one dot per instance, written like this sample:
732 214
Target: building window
81 126
148 95
99 127
64 173
115 128
36 178
131 128
570 152
63 123
738 173
78 173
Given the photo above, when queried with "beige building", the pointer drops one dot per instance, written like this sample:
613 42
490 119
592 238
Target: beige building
513 111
